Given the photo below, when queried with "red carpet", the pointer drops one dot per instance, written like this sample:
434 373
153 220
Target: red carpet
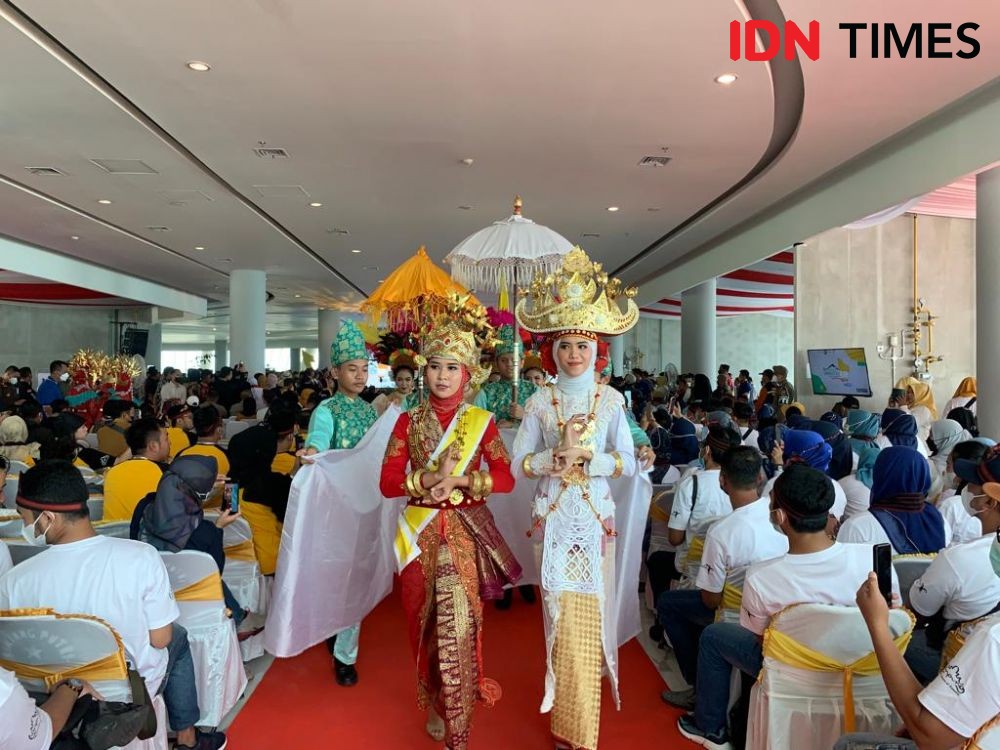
298 705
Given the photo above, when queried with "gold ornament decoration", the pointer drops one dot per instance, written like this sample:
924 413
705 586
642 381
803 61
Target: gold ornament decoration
578 297
459 334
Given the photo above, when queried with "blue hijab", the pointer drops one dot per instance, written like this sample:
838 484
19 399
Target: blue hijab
842 460
898 502
900 428
766 438
808 447
683 442
863 427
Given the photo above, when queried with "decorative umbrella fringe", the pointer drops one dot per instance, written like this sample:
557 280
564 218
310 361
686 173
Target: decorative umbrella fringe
490 274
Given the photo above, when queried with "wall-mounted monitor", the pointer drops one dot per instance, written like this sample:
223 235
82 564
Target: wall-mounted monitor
839 372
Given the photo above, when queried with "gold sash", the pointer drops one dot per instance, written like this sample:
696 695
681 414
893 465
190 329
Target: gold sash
242 552
696 549
208 589
414 519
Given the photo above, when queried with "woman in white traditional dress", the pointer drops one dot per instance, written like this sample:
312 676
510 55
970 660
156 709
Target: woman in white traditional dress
573 438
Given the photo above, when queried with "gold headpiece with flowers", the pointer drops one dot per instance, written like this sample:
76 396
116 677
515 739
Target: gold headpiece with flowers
579 297
459 334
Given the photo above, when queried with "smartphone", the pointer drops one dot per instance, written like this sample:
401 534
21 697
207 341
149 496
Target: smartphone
882 565
231 498
897 396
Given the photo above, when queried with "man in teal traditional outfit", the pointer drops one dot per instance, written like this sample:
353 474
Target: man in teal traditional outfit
339 423
498 397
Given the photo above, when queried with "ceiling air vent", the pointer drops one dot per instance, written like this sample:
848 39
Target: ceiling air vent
654 161
158 229
282 191
340 231
123 166
266 152
591 235
45 171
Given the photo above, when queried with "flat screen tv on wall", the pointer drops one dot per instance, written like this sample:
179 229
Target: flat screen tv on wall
839 372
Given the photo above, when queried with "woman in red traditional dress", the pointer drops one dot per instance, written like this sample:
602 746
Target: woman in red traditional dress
448 550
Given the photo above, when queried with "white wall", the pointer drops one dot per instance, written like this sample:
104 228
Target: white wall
34 335
852 287
754 342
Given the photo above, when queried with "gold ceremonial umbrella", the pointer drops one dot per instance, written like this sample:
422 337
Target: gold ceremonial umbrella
413 294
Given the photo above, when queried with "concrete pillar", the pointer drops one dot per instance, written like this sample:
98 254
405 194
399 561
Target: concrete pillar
665 354
329 324
154 346
988 301
248 318
295 359
618 355
698 329
221 354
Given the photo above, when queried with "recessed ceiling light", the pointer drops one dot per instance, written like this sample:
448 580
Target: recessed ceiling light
652 209
726 79
356 252
297 296
104 201
612 209
199 67
199 247
466 208
315 204
213 329
74 237
381 281
468 161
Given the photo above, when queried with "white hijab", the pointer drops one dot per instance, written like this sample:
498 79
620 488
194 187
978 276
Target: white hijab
573 385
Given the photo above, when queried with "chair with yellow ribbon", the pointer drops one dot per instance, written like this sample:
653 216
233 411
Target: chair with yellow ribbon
821 679
116 529
987 737
908 569
43 647
242 573
691 564
215 650
957 637
732 596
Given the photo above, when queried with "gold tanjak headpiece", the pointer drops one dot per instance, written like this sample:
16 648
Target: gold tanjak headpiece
459 334
578 297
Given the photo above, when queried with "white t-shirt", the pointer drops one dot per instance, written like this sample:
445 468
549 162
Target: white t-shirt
865 528
25 726
961 580
121 581
710 503
857 494
839 498
6 563
742 538
964 695
750 441
832 576
964 528
959 402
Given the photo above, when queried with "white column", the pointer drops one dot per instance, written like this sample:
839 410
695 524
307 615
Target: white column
295 358
154 346
988 301
698 329
221 354
329 324
618 355
665 354
248 318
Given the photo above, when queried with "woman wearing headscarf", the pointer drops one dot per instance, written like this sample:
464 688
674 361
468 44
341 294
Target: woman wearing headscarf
954 496
448 549
920 401
863 428
965 418
793 413
14 445
684 448
899 513
69 441
173 519
945 435
701 390
808 447
900 429
964 398
842 460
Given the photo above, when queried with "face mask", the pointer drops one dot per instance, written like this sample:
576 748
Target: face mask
995 556
13 381
31 535
967 498
701 432
64 377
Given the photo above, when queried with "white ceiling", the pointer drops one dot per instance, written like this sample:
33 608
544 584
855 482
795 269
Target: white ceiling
377 104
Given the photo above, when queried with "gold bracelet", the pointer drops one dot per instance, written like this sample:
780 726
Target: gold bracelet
475 484
526 467
487 484
619 467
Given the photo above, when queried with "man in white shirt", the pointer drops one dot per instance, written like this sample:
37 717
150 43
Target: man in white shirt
742 413
957 587
816 570
5 561
121 581
171 390
699 499
961 700
732 544
28 726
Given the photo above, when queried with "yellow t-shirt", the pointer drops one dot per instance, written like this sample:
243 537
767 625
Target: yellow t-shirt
126 484
284 463
266 534
204 449
179 440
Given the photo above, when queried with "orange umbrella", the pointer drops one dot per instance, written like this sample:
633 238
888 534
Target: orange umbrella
414 293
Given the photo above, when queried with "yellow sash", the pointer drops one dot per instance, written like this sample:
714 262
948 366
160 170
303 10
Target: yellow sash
415 519
208 589
243 552
787 650
981 733
696 549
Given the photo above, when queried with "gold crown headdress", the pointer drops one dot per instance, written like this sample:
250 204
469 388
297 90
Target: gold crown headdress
459 334
577 297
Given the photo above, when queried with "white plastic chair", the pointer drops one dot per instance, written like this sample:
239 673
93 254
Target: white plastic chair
17 467
218 666
789 703
10 524
242 573
95 503
57 643
908 569
235 427
117 529
10 491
